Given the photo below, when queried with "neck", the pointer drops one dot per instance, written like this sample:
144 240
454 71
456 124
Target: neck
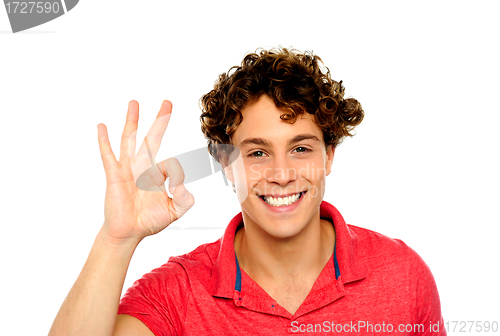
273 259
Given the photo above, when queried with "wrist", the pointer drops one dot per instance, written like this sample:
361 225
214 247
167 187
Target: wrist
116 244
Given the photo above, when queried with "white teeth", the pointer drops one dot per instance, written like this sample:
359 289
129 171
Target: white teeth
281 201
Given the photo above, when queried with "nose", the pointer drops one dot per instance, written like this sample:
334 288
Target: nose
280 170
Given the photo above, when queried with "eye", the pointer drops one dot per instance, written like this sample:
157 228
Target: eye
257 156
304 149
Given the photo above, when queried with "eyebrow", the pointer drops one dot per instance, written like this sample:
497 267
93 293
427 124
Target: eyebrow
264 142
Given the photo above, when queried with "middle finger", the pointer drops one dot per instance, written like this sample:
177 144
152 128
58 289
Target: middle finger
157 130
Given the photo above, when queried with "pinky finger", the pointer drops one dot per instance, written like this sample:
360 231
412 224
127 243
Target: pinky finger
107 155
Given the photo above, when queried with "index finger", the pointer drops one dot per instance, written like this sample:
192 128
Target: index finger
127 147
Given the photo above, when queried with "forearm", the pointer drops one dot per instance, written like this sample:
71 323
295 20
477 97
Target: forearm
92 303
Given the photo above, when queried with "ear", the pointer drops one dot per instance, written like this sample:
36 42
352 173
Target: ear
330 151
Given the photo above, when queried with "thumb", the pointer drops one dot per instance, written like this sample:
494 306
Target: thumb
183 200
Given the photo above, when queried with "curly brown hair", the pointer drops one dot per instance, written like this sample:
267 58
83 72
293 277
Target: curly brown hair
294 80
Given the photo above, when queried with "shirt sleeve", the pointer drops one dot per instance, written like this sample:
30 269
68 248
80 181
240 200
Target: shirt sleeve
427 303
157 299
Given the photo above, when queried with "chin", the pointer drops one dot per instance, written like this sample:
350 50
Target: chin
285 229
285 232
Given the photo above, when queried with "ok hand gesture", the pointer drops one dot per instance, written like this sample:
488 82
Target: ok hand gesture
131 212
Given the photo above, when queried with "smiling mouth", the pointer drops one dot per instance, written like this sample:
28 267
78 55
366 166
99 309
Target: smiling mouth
285 201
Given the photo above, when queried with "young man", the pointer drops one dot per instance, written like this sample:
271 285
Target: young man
287 263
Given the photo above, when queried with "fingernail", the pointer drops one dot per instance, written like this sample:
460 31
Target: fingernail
185 193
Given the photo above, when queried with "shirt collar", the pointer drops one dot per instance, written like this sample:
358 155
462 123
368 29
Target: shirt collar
225 269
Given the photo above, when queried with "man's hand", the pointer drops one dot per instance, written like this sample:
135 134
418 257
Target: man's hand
131 212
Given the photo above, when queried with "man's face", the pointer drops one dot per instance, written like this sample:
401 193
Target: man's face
279 158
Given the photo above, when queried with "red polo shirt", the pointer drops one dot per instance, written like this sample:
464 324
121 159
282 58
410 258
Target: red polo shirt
372 284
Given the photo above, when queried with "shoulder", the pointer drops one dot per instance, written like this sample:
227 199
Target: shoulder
375 242
381 250
200 261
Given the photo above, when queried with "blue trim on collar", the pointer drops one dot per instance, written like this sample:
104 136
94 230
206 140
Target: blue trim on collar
335 262
237 284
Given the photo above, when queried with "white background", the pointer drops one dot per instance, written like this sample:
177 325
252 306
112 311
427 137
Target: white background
423 166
